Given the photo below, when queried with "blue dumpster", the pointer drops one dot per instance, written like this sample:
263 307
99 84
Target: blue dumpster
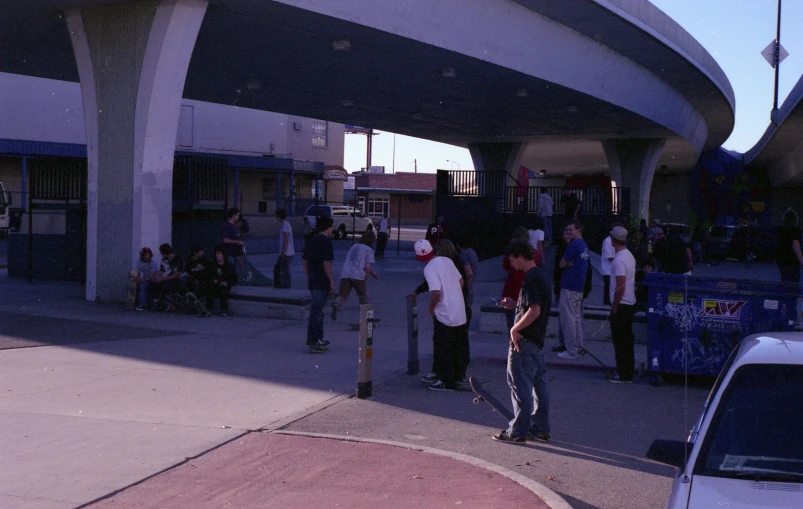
695 322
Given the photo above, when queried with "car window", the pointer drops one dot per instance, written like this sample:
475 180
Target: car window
755 430
715 389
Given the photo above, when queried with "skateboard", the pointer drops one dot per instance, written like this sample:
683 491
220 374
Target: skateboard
131 300
197 305
482 394
179 302
356 326
607 369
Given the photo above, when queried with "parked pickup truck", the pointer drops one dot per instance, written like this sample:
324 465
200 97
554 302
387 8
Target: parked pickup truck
347 220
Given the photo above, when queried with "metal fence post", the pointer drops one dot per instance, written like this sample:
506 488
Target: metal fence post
412 336
366 351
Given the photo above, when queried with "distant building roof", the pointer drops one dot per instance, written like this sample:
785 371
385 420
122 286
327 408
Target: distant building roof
418 183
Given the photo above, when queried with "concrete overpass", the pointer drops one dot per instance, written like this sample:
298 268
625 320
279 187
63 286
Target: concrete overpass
570 86
779 152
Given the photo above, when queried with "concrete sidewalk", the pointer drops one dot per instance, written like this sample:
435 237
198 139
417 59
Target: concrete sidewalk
99 399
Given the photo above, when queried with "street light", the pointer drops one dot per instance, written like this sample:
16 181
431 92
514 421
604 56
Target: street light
453 163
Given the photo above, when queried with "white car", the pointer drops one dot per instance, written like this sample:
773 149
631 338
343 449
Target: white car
346 219
746 450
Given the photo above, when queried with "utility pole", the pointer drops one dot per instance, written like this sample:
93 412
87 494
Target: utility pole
415 161
774 114
369 136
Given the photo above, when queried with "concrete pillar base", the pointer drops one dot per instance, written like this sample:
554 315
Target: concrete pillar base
132 60
632 164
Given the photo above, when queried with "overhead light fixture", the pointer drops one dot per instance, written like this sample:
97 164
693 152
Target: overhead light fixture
449 72
348 103
572 109
522 92
341 45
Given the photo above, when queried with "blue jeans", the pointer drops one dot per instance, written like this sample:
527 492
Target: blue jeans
547 228
315 325
281 272
528 390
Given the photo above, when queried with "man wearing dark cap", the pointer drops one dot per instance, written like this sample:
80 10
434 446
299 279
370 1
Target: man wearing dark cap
623 306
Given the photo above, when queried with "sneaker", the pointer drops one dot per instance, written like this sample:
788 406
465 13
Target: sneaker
568 356
559 348
224 312
616 379
437 385
429 378
140 308
334 310
505 437
321 343
541 436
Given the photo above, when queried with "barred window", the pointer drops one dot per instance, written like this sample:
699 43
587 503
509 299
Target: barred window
320 134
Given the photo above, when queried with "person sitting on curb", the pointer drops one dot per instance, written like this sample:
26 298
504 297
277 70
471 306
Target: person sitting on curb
146 269
197 280
222 277
167 280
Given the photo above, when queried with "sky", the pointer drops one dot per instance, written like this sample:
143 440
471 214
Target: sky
733 31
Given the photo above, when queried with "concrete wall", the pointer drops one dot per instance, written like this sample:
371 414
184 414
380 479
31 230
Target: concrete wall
49 110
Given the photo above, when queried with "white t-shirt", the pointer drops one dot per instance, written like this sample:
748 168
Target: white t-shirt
442 275
624 264
544 202
357 258
286 228
383 225
607 252
535 237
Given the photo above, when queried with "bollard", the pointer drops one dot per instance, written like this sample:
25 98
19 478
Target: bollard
366 350
412 336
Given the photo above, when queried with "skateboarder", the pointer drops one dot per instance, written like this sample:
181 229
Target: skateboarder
525 361
318 266
230 237
357 265
286 251
448 311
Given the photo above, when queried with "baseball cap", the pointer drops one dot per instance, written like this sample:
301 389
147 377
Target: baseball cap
619 233
654 231
424 251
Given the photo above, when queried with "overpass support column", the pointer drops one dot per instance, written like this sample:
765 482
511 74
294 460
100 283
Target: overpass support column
132 61
497 157
632 164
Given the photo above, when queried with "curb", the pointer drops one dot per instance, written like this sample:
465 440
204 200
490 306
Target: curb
549 497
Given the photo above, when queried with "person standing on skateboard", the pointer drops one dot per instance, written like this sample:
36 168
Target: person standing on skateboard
525 360
318 266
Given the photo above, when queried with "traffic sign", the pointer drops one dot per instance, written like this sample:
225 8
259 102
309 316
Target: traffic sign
769 54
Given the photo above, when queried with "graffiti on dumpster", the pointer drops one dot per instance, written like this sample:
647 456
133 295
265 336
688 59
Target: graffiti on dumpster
724 309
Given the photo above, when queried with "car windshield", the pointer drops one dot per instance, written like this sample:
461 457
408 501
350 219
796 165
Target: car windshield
755 432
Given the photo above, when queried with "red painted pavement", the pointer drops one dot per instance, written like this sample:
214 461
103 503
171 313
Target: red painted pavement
263 470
